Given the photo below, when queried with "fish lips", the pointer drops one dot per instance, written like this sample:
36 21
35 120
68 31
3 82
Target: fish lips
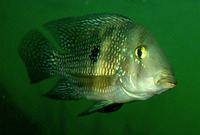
165 81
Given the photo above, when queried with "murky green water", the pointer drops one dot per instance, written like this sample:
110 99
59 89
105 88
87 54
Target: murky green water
24 111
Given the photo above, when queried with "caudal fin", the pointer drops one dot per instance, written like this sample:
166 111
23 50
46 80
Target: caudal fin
38 55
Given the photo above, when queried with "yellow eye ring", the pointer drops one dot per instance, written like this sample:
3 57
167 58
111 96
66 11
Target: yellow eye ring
140 52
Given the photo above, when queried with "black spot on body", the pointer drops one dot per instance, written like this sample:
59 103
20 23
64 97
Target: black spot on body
94 54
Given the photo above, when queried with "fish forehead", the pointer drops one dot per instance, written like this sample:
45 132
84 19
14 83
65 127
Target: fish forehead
92 48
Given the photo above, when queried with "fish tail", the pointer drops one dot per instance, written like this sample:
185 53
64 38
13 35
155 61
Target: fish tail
38 55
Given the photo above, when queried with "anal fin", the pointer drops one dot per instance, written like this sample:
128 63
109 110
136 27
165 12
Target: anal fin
63 90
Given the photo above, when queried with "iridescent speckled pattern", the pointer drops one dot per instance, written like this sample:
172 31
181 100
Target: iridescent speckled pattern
92 52
92 44
104 57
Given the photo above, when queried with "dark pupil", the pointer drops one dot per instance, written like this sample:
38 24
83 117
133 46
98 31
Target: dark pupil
139 53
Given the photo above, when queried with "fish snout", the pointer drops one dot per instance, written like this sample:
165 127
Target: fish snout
165 80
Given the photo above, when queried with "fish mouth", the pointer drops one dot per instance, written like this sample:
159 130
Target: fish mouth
165 80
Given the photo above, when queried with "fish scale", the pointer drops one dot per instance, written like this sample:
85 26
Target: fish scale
81 64
103 57
78 29
109 40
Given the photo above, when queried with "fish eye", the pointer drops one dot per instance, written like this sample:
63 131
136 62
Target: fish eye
140 52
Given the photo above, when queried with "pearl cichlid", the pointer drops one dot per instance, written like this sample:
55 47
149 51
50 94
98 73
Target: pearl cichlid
103 57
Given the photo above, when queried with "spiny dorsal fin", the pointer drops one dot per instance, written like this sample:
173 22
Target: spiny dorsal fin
69 31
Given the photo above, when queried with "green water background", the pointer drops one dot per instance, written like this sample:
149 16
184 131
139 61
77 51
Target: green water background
175 24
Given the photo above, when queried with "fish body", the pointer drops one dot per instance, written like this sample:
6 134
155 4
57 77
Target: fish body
103 57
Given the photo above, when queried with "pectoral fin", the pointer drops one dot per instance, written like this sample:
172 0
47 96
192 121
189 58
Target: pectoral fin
102 106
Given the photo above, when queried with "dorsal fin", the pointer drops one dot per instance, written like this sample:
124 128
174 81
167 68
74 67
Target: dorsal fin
69 31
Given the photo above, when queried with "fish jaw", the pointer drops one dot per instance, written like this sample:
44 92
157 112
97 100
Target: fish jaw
148 87
135 90
164 81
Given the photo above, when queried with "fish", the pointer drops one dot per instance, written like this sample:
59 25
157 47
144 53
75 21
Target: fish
107 58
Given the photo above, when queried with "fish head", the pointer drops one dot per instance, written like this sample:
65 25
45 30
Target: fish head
148 71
